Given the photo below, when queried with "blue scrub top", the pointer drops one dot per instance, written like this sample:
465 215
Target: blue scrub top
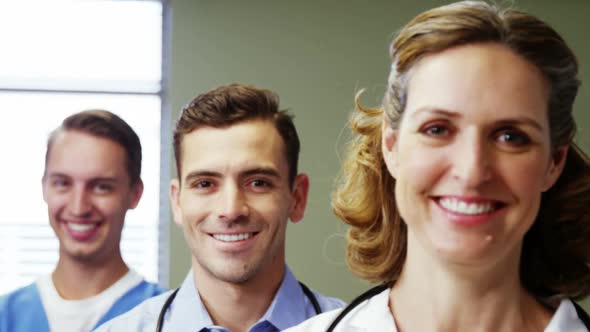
22 310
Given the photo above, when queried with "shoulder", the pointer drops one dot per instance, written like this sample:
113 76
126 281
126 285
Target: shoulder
148 289
137 285
371 314
131 298
569 316
141 318
328 303
291 287
21 297
22 310
316 323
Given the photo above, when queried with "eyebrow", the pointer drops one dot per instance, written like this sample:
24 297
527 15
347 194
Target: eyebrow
254 171
263 171
197 174
519 120
97 179
57 175
434 110
103 179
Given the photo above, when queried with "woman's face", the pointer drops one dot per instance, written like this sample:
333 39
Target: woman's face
472 153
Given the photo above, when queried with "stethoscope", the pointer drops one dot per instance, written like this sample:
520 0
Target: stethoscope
305 289
354 303
584 317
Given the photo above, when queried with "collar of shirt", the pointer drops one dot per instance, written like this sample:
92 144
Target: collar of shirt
377 318
565 318
288 308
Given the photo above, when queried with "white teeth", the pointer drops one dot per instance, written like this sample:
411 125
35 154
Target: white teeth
232 237
81 227
458 206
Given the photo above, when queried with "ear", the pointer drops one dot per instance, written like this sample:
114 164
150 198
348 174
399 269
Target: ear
136 193
389 147
175 201
556 166
300 190
44 187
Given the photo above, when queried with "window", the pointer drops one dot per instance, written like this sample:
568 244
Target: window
61 58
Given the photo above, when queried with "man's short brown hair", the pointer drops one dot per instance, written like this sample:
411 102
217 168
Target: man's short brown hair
237 103
101 123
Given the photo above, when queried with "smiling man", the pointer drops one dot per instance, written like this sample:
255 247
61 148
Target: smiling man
237 187
91 179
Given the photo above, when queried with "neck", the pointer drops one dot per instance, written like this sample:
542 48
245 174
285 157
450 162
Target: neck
96 276
237 306
463 298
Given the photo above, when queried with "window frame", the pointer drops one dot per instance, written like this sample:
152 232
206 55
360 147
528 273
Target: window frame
165 152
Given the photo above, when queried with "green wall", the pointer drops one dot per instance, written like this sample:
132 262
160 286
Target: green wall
316 55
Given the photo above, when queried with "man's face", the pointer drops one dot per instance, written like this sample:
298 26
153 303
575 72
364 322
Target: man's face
234 200
87 190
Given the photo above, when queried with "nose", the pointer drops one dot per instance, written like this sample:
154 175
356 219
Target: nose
472 161
80 203
232 204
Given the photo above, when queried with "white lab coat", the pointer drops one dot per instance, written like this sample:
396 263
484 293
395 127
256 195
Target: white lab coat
374 315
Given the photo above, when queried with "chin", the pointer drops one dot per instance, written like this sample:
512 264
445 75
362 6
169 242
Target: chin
82 256
234 278
466 254
234 272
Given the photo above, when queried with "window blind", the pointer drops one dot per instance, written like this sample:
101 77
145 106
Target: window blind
61 58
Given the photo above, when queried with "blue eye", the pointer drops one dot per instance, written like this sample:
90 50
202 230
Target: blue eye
436 130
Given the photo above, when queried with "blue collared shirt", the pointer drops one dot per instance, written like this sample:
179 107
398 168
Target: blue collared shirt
187 312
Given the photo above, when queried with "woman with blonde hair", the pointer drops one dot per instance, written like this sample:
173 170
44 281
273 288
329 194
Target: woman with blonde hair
467 199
